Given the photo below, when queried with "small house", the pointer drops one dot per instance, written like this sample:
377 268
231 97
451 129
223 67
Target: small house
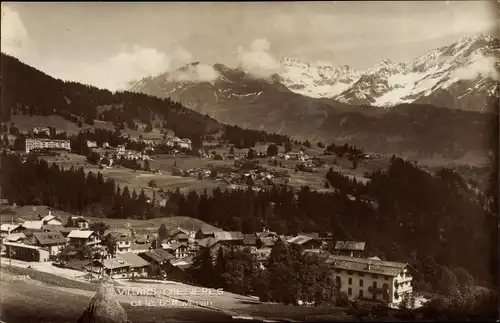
79 238
51 219
52 241
138 266
350 248
11 228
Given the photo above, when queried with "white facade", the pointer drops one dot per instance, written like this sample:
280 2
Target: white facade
47 144
372 279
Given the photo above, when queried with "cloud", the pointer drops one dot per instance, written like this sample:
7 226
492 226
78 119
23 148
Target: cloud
194 73
484 67
14 36
257 60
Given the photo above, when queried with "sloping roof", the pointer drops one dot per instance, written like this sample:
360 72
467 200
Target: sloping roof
249 239
350 245
178 230
79 219
210 230
180 235
114 263
207 242
50 217
373 266
15 237
49 238
55 227
172 246
22 245
314 235
133 260
228 235
158 255
265 234
80 234
7 227
299 239
32 224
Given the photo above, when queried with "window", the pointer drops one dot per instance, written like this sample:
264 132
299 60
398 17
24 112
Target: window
361 282
374 284
360 293
350 281
337 280
361 274
349 272
386 278
385 286
349 291
374 276
337 271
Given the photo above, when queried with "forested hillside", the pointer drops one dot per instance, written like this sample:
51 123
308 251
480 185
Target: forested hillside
403 214
28 91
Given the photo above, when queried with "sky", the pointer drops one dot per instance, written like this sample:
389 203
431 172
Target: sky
111 44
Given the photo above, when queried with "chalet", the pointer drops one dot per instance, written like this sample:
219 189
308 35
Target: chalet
138 266
59 228
52 241
307 243
350 248
80 222
79 238
15 237
115 267
213 245
140 245
33 225
11 228
51 219
206 233
177 249
180 235
26 252
156 256
371 279
230 237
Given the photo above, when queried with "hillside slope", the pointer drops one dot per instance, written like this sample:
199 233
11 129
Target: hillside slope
238 98
28 91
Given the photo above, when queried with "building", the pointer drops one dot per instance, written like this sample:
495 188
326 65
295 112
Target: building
307 243
138 266
350 248
79 238
181 235
158 259
6 228
117 268
371 279
51 219
33 225
26 252
39 143
178 250
80 222
15 237
59 228
54 242
206 233
91 144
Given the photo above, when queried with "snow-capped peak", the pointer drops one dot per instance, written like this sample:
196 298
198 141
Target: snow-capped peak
388 83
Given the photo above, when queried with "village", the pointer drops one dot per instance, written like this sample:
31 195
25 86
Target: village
127 254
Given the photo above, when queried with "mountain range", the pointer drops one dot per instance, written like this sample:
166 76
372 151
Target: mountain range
422 99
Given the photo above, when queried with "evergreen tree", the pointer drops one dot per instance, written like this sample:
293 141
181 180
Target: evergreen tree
162 232
69 223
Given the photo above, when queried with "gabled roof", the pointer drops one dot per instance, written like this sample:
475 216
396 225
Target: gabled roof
211 230
178 230
373 266
7 227
50 217
79 219
55 227
350 245
249 239
158 255
49 238
133 260
314 235
36 225
173 246
228 235
180 235
15 237
80 234
299 239
265 234
114 263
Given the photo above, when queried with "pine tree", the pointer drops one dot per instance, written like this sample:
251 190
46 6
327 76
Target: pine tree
162 232
69 223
